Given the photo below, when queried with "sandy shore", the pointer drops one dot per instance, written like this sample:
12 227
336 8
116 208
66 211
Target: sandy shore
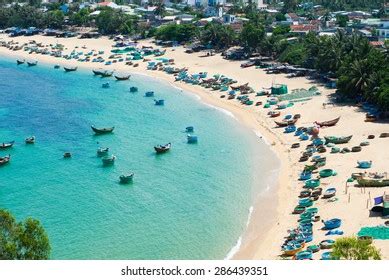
263 241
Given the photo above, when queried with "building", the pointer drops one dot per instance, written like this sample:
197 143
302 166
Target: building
383 30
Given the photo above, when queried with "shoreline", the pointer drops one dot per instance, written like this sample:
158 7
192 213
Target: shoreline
243 118
263 241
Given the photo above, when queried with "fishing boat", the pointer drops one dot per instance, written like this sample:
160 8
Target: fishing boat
305 176
5 160
149 94
371 182
332 224
30 140
32 63
364 164
7 145
189 129
274 114
20 61
102 151
70 69
57 66
67 155
192 139
337 140
330 192
105 85
122 78
102 130
160 149
98 72
304 255
328 123
285 123
159 102
126 179
106 74
327 244
108 160
292 249
133 89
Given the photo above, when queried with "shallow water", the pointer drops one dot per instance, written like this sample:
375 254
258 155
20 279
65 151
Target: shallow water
191 203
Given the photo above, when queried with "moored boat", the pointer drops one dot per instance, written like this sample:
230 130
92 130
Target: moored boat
108 160
106 73
122 77
371 182
159 102
189 129
20 61
104 130
30 140
105 85
192 139
162 148
70 69
364 164
67 155
149 93
126 179
102 151
5 160
6 145
330 192
332 224
32 63
133 89
98 71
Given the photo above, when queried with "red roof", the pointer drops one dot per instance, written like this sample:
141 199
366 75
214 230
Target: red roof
104 3
303 28
377 43
293 16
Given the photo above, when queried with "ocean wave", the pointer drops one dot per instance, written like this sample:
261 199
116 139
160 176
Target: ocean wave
228 113
236 247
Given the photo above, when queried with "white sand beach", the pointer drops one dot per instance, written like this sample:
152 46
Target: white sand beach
261 242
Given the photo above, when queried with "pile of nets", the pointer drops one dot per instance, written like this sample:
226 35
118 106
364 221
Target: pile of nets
300 94
379 232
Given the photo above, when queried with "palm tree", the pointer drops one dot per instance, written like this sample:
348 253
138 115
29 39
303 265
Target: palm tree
160 9
352 248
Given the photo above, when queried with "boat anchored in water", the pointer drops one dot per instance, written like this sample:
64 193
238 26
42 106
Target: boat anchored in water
102 151
6 145
160 149
30 140
108 160
126 179
103 130
70 69
5 160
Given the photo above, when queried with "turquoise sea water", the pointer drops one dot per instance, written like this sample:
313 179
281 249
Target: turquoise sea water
191 203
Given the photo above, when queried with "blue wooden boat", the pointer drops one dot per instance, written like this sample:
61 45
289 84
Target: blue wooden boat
304 137
149 94
306 202
304 255
133 89
291 248
189 129
290 129
159 102
330 192
305 176
364 164
332 224
192 139
312 183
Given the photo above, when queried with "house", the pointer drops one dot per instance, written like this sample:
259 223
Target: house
108 4
383 30
292 18
228 18
377 44
303 29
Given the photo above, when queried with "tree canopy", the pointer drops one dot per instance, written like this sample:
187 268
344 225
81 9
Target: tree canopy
352 248
25 240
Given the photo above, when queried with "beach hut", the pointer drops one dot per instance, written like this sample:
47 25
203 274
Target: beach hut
279 89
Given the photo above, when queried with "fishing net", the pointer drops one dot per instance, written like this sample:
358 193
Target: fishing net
300 94
379 232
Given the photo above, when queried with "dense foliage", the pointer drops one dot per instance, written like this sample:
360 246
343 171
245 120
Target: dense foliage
111 21
176 32
22 241
352 248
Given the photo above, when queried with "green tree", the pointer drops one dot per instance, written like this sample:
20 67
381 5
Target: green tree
80 18
342 20
176 32
22 241
218 36
352 248
111 21
54 19
252 36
